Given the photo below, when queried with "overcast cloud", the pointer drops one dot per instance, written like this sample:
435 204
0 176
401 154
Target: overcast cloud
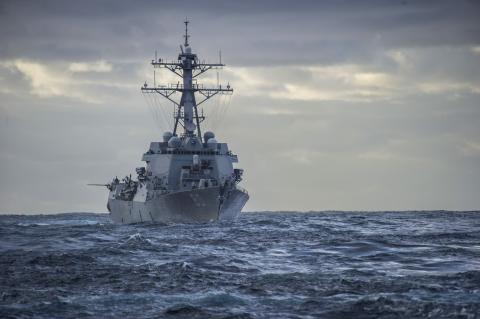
338 105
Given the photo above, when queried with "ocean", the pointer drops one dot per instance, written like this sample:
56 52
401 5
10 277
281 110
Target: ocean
265 265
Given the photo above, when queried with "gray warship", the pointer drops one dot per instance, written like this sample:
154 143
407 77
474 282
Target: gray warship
188 177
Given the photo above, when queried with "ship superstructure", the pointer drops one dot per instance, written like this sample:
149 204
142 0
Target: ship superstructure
188 177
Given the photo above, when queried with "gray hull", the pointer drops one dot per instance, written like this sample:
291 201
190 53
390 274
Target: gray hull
193 206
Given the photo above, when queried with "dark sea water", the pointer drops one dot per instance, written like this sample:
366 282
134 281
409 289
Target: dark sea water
266 265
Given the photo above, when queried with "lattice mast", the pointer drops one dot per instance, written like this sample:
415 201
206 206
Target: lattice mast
188 67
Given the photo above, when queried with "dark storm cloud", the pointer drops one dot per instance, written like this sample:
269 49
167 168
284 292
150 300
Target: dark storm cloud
250 32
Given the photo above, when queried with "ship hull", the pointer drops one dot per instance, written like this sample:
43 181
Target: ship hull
193 206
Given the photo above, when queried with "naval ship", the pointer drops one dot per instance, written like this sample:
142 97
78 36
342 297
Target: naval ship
188 177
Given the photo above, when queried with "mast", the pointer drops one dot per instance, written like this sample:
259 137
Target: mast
188 67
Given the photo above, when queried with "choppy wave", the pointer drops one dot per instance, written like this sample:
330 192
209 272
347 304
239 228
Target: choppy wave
266 265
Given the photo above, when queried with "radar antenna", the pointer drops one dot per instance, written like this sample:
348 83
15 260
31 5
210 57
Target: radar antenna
186 36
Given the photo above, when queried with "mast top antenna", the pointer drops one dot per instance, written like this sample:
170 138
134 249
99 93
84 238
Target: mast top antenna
186 36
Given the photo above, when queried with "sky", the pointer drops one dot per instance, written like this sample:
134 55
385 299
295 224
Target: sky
337 105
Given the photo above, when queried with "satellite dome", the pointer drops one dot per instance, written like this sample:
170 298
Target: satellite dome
167 136
208 135
174 142
212 141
